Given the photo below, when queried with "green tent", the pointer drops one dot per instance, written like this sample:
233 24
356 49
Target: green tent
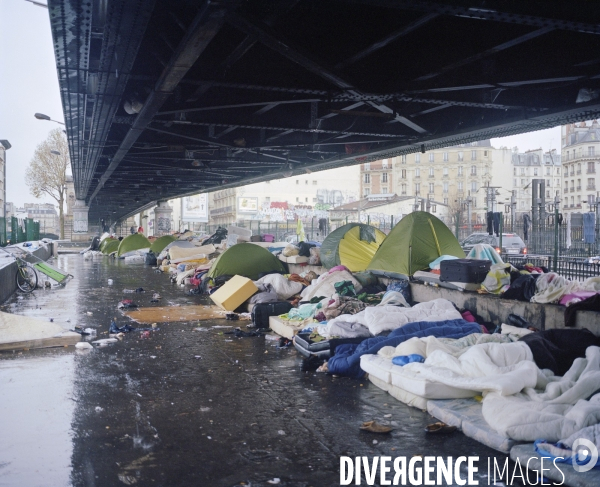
418 239
110 247
245 259
105 242
161 242
133 242
352 245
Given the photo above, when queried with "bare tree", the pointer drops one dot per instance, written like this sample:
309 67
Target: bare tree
47 171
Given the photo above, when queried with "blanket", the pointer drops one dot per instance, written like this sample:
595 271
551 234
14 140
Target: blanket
555 411
386 318
284 288
557 349
325 284
346 360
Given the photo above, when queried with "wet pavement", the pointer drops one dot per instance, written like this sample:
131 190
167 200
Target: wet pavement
184 407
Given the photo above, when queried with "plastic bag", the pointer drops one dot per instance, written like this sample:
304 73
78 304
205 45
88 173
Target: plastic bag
401 286
290 250
315 256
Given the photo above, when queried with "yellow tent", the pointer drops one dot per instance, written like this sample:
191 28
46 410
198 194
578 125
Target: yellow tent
352 245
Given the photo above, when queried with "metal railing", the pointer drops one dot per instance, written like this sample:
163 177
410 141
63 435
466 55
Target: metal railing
573 269
24 230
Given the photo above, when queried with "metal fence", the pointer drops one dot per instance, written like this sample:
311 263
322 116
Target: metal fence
570 268
23 230
3 232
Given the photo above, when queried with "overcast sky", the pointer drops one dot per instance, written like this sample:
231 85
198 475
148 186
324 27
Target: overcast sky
29 84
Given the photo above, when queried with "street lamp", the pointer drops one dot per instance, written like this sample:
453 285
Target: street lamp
6 144
41 116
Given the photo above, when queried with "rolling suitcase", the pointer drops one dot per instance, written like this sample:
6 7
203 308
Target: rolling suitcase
472 271
261 312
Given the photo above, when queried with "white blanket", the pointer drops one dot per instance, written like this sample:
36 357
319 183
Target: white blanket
325 285
281 285
386 318
505 368
556 411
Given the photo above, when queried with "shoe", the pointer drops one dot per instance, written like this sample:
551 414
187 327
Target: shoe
440 428
375 427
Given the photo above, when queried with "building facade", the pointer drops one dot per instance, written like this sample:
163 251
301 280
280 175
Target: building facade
580 159
46 214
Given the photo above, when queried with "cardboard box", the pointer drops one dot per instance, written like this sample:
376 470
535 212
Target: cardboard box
233 293
285 328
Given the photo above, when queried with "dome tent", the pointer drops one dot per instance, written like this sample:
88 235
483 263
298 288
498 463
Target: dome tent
418 239
133 242
110 246
106 242
245 259
161 242
352 245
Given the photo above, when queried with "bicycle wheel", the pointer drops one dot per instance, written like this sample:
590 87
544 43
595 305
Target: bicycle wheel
27 279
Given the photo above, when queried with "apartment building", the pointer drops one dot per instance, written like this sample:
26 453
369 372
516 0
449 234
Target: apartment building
446 177
580 156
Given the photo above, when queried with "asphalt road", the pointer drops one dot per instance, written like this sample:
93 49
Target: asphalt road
184 407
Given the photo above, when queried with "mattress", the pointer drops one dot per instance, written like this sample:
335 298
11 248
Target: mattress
434 279
466 414
400 394
405 379
285 328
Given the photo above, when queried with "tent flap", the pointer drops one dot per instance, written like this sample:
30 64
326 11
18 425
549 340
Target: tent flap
352 245
245 259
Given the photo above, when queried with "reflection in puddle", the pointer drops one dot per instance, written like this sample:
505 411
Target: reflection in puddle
36 409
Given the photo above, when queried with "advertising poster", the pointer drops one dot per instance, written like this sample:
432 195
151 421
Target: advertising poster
195 208
247 204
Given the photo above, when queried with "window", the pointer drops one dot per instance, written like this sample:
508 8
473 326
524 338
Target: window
403 174
384 190
306 181
431 188
591 183
591 151
384 163
431 157
367 166
445 171
297 199
461 156
514 171
547 171
473 170
403 189
367 191
297 181
445 186
445 201
314 200
417 173
579 168
485 153
367 178
384 177
417 188
445 156
403 159
460 170
522 171
306 200
473 186
591 167
431 172
314 183
535 171
268 199
417 158
473 155
460 186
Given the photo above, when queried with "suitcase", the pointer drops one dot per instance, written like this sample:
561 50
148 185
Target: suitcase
472 271
255 238
261 312
323 349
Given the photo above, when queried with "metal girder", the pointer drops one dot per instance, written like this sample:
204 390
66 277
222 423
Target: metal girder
488 52
308 63
506 15
236 105
203 29
387 40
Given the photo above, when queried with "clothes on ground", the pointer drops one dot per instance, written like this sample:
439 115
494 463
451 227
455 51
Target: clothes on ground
522 289
402 360
341 329
592 303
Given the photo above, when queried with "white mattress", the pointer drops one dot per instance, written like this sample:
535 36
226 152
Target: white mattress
434 279
400 394
285 328
466 414
403 378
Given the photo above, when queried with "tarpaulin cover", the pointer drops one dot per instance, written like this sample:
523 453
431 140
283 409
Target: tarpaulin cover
161 242
352 245
418 239
133 242
245 259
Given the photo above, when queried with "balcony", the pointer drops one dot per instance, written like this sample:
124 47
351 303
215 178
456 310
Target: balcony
565 207
572 205
591 187
578 205
579 172
591 171
578 188
572 190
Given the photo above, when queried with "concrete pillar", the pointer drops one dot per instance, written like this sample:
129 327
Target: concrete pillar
162 219
80 222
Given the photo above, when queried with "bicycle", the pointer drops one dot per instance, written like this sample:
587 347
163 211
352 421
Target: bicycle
27 278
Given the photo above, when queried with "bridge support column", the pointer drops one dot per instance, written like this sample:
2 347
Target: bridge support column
80 222
162 219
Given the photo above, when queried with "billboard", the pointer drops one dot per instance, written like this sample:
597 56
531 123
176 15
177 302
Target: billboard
195 208
247 204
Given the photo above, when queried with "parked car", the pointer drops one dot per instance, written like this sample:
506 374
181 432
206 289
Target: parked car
511 243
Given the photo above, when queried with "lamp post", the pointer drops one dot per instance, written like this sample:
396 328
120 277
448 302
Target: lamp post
6 144
593 207
41 116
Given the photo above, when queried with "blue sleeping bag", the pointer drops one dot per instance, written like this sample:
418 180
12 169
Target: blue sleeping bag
346 360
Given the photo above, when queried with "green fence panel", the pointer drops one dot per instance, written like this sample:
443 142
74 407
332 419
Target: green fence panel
29 229
2 232
36 230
